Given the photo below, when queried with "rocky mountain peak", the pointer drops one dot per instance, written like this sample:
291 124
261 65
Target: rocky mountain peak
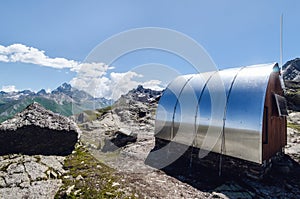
143 94
26 92
64 88
42 92
291 70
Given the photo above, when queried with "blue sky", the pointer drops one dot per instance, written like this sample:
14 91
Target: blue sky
233 32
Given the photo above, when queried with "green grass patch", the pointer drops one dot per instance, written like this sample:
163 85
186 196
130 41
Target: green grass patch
104 110
96 179
92 115
294 126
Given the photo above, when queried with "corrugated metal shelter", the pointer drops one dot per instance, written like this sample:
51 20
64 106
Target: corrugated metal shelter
238 112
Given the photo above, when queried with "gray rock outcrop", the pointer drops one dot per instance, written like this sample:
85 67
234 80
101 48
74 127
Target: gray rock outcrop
37 131
23 176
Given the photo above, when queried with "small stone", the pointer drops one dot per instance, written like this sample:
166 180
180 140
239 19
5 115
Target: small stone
99 166
48 173
69 190
52 174
115 184
77 191
293 140
109 193
25 184
2 174
67 177
2 182
79 177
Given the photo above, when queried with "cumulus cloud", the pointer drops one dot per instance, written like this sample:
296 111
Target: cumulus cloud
3 58
91 77
153 85
9 88
24 54
113 86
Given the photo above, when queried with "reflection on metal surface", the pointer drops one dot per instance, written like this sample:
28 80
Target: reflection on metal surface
281 105
185 112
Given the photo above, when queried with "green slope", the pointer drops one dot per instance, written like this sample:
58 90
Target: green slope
9 109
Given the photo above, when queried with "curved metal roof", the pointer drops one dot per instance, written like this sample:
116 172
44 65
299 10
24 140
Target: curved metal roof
207 109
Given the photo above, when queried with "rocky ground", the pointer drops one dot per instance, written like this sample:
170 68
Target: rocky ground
137 118
293 146
23 176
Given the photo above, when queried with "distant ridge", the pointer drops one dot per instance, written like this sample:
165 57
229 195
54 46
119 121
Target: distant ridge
64 100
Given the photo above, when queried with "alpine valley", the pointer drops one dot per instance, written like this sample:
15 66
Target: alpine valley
65 100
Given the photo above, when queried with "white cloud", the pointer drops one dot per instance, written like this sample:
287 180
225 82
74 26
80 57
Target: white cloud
113 87
31 55
9 88
25 54
153 84
3 58
91 77
92 70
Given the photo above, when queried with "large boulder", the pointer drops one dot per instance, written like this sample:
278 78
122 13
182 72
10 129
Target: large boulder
119 139
37 131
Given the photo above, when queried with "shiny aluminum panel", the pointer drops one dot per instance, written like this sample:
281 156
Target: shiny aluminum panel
184 118
185 109
166 107
209 125
243 127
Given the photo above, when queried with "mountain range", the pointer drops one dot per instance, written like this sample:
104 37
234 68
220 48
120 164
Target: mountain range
65 100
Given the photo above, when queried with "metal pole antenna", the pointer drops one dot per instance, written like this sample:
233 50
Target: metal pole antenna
281 39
